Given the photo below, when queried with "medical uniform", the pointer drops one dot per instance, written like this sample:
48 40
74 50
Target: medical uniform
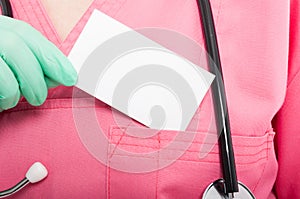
260 54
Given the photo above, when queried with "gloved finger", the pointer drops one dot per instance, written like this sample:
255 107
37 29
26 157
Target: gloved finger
24 66
9 89
51 83
54 63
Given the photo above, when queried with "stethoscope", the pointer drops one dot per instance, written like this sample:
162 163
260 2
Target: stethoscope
229 187
6 8
226 188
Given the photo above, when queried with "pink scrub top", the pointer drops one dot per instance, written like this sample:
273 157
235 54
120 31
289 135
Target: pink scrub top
260 54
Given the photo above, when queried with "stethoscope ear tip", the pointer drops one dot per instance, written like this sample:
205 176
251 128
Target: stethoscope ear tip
36 172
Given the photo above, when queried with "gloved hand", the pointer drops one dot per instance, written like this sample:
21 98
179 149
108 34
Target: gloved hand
29 64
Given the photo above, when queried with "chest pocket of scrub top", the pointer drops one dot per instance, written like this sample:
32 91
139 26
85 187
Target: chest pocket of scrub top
170 176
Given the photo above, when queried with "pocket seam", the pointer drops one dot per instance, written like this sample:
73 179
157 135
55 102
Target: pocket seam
265 165
55 104
262 153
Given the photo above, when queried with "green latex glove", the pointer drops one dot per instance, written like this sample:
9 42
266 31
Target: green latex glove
29 64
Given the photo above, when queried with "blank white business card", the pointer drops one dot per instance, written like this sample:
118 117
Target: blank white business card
149 83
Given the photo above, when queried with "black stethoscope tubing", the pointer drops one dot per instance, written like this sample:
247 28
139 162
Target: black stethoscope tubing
6 8
14 189
219 98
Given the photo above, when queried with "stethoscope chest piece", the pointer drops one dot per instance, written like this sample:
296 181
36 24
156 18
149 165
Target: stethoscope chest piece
216 190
